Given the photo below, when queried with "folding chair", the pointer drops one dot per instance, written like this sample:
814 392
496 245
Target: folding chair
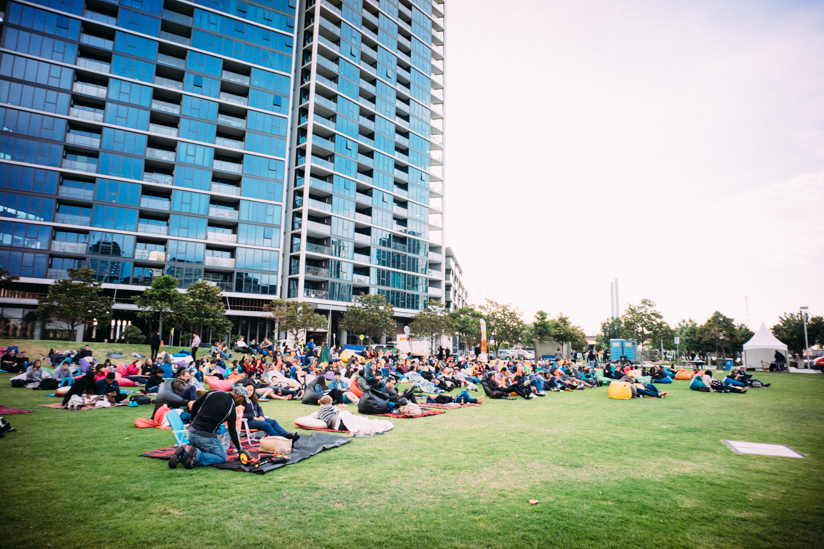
178 429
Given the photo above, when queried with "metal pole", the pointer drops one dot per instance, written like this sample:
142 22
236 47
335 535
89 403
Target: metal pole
806 342
611 301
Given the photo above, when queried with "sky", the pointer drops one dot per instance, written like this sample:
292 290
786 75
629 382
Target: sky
675 146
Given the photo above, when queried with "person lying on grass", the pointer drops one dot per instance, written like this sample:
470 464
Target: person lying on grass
244 395
738 377
639 388
707 384
462 398
330 414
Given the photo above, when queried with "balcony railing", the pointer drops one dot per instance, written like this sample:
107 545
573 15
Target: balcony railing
160 154
100 17
150 255
360 279
321 228
69 247
362 258
323 102
400 211
330 26
400 192
227 166
363 238
163 130
324 121
150 228
363 199
231 121
215 236
176 38
367 86
72 219
319 184
319 205
223 188
97 41
437 292
315 294
228 262
163 106
322 163
234 99
318 249
316 271
229 143
436 274
86 115
434 256
329 44
90 89
324 143
90 167
169 15
73 192
169 61
328 5
223 213
326 82
164 205
235 77
57 274
363 218
168 83
159 178
93 64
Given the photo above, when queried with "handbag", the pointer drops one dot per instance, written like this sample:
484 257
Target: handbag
410 409
275 445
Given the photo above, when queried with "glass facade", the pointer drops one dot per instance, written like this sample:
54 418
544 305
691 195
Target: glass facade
146 137
365 206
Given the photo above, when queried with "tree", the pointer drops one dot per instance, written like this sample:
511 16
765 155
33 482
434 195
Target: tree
610 329
133 335
76 300
543 329
294 317
718 332
371 316
203 310
466 321
163 299
527 336
566 332
432 323
503 323
644 323
687 331
790 331
6 279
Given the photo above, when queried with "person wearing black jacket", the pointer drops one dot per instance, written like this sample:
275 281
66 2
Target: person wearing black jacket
516 388
208 413
154 343
83 386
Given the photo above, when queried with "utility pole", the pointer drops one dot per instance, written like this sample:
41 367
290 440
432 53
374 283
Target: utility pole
806 342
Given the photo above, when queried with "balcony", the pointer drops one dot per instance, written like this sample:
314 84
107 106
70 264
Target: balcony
94 65
69 247
169 15
77 194
158 178
57 274
223 188
363 238
160 129
72 219
176 38
318 141
86 115
223 213
151 228
435 222
315 294
360 279
326 4
169 83
365 178
229 143
316 272
402 175
234 99
231 121
151 203
435 292
319 184
362 258
324 121
235 77
90 89
226 166
399 247
319 205
226 262
169 61
435 274
163 106
326 82
365 160
435 256
436 187
363 218
318 249
160 154
322 163
100 17
97 42
326 63
90 167
333 28
368 87
321 228
363 199
214 236
150 255
400 192
400 211
327 103
329 44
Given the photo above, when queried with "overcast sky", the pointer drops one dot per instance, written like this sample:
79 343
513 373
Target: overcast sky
676 146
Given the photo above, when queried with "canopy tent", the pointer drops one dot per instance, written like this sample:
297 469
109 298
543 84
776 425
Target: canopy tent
759 352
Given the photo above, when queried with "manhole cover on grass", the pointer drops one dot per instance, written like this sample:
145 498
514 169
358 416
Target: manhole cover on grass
778 450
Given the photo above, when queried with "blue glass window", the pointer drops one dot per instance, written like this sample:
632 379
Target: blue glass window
202 85
268 101
22 206
43 21
344 187
135 45
151 6
123 141
263 167
258 260
33 152
195 154
40 46
186 252
201 62
128 92
26 264
186 276
112 217
23 95
132 68
23 235
266 123
139 22
193 178
261 188
260 212
118 192
199 108
198 131
258 235
33 71
188 227
35 125
130 117
121 166
188 202
28 179
113 244
256 283
111 272
70 6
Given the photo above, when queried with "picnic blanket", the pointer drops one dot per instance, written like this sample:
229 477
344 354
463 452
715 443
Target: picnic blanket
446 406
306 447
6 411
59 406
424 414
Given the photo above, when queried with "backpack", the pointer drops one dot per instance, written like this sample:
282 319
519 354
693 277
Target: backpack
48 384
19 383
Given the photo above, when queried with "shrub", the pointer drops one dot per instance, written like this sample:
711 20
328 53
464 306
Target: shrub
132 334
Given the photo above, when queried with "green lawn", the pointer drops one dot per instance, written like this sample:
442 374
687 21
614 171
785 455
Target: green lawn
640 473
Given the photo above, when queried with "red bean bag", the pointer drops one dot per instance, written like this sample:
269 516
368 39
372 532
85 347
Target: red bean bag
124 382
219 384
683 375
353 388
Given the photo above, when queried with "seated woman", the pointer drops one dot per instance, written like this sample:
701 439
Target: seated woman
241 346
244 395
34 373
660 375
738 377
330 414
82 392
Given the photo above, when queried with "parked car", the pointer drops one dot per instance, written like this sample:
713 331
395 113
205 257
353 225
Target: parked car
507 354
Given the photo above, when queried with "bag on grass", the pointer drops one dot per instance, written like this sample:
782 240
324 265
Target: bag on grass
48 384
410 409
275 445
18 383
5 427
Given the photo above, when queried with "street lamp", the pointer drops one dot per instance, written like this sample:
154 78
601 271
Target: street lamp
806 343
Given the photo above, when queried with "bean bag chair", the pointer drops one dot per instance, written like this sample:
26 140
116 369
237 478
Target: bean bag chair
311 422
124 382
683 375
663 380
619 390
697 383
219 384
353 388
346 354
310 397
84 365
370 404
644 379
167 397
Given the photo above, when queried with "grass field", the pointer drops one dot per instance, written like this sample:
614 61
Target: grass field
640 473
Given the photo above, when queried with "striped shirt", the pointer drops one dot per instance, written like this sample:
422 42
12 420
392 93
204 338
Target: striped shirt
328 414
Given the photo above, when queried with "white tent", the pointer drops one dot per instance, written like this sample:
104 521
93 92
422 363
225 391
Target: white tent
759 352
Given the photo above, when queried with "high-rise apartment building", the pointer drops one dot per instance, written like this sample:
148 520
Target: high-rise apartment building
455 294
253 145
365 198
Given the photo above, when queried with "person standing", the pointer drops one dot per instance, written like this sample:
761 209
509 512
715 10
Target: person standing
195 345
154 342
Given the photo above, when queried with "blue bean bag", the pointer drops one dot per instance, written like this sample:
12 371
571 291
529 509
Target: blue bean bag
697 383
664 380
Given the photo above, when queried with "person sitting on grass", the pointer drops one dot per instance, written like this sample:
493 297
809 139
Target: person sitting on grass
392 394
63 373
82 392
244 394
34 373
330 414
505 388
110 389
12 363
707 384
738 377
154 381
208 414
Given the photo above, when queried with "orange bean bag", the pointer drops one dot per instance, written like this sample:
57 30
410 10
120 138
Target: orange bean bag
353 388
219 384
683 375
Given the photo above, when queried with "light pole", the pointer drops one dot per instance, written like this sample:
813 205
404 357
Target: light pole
806 343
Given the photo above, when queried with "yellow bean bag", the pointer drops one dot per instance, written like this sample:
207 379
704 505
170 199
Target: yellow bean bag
683 375
344 356
620 390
